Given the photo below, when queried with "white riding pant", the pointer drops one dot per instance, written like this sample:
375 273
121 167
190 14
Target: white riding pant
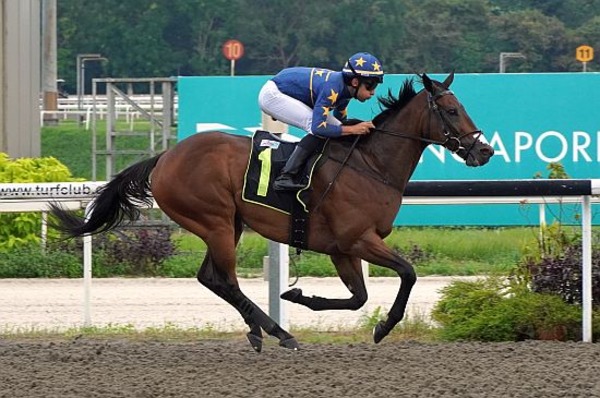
287 109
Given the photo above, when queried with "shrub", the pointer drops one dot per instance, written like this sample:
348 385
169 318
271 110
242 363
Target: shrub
135 251
32 262
561 275
555 266
143 249
461 302
22 229
491 310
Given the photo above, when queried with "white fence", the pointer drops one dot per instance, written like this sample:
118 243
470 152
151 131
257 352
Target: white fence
69 108
35 197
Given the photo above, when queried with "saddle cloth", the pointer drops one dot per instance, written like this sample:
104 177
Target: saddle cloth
268 155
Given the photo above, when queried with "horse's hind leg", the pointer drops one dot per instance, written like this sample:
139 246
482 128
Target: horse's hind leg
210 277
255 318
350 271
218 274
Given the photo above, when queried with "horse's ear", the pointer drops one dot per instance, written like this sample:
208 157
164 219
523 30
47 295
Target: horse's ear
449 80
427 83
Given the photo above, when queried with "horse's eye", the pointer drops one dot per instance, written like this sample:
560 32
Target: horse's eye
452 111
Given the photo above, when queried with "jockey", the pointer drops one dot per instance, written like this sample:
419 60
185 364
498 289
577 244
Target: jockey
315 100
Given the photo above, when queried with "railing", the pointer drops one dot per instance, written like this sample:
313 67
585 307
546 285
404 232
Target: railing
35 197
69 108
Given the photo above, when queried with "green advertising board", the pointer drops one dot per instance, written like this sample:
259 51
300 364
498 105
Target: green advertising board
531 120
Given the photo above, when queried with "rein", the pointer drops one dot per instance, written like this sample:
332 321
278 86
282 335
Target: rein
342 164
449 138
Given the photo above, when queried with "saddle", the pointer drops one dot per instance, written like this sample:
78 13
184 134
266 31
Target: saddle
268 155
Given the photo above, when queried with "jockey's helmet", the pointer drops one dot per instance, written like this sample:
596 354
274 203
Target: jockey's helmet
364 66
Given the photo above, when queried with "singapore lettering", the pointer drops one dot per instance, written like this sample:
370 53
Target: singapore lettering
550 146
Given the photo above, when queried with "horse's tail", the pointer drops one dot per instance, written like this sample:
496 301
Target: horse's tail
118 200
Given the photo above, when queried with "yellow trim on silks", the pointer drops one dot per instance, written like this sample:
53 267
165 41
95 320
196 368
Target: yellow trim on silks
312 97
265 172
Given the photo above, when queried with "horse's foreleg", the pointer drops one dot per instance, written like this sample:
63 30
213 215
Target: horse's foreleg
375 251
350 271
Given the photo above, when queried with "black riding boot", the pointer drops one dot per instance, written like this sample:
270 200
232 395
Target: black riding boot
294 165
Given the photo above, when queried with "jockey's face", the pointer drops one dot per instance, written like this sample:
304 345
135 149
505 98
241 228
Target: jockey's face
366 89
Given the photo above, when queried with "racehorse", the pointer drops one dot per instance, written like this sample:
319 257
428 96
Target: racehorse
356 194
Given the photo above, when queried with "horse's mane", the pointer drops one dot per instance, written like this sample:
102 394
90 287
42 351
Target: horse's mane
391 104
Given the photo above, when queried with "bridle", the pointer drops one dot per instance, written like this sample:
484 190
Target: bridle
453 138
450 139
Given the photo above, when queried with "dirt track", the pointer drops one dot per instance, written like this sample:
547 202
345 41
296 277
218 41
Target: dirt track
211 368
84 368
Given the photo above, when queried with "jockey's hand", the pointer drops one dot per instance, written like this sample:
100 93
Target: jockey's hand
358 129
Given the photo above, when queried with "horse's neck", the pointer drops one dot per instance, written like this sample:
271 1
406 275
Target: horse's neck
396 157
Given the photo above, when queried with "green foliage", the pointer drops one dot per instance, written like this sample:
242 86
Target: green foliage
142 249
491 310
21 229
182 37
369 321
556 171
462 301
560 274
131 252
30 261
552 242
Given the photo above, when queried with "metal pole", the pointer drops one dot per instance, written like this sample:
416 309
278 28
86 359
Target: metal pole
81 59
586 269
87 272
278 278
279 259
78 82
504 56
49 75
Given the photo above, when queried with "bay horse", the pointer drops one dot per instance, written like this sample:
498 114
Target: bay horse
353 203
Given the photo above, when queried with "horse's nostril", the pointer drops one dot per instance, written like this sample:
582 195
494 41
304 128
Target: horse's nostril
487 151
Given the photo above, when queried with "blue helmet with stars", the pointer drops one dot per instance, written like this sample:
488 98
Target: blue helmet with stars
363 65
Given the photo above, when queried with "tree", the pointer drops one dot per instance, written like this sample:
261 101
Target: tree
144 38
542 39
445 35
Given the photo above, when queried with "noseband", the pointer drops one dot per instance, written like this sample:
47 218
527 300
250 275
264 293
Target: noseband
452 142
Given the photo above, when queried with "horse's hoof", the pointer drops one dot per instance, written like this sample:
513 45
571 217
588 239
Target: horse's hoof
255 341
379 332
292 295
290 343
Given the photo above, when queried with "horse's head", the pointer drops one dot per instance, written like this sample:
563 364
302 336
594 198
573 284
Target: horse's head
451 126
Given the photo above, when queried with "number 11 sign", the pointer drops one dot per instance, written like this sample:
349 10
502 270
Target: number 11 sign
584 54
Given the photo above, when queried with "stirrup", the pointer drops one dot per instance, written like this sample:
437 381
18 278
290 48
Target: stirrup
287 183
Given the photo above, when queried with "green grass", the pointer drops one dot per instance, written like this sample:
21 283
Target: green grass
411 328
446 251
71 143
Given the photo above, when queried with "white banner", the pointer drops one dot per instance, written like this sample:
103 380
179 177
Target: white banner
46 190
